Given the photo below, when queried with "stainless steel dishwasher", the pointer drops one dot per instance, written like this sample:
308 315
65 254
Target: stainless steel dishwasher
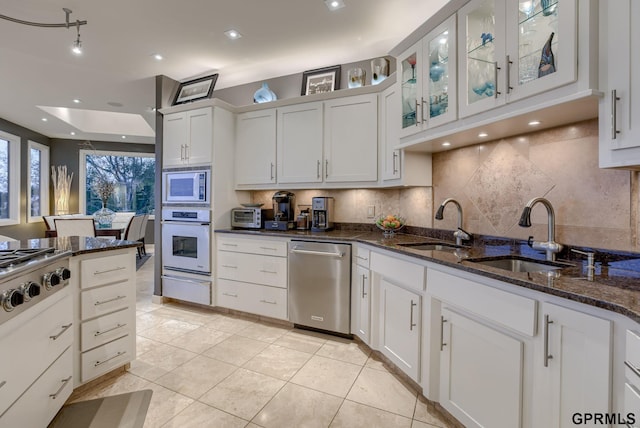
320 285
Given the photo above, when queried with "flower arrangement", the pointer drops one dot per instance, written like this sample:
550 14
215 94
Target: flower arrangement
104 189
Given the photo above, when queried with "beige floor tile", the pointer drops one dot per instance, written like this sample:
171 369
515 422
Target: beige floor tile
382 390
346 350
418 424
230 324
375 363
168 330
279 362
187 315
243 393
300 342
427 413
144 345
236 350
146 370
196 376
167 357
296 406
200 340
327 375
199 415
358 415
263 332
165 404
148 320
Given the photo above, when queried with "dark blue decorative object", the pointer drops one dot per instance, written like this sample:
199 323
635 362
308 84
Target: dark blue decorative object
547 60
486 37
264 95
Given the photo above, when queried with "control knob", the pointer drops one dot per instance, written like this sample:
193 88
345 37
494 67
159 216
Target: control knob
11 299
50 279
29 290
64 273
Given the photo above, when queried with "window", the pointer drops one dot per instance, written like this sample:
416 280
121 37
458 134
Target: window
38 189
133 174
9 179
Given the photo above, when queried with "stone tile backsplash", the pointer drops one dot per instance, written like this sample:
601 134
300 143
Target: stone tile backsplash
493 181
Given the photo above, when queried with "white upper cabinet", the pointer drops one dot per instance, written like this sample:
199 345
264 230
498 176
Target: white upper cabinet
188 138
619 118
427 80
513 50
256 147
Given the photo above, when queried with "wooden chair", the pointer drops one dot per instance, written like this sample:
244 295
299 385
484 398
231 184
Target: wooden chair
132 233
49 222
75 227
143 232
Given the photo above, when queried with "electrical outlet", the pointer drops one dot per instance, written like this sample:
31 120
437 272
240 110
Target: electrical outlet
371 211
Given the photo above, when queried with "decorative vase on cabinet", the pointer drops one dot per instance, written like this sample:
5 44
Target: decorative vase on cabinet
264 95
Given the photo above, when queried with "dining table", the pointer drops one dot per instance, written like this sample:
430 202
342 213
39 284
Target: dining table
115 232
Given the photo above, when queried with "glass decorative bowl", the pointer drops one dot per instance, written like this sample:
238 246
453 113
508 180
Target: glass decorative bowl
390 224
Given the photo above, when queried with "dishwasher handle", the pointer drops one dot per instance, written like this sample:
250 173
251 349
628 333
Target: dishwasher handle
317 253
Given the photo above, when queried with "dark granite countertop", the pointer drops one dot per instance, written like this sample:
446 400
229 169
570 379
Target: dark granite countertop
614 286
78 244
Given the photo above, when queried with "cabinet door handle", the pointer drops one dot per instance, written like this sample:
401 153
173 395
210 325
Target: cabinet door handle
417 121
187 153
268 271
181 152
633 368
509 62
230 294
98 303
100 272
547 357
64 328
442 321
326 168
64 383
411 323
230 266
269 302
395 157
99 363
364 278
422 103
318 169
614 114
272 175
495 78
100 333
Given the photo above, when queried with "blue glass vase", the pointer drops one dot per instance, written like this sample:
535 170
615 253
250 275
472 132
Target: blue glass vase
264 95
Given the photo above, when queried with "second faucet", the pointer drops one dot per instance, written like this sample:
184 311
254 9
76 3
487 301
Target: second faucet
460 234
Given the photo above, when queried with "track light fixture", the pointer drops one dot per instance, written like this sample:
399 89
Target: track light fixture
76 47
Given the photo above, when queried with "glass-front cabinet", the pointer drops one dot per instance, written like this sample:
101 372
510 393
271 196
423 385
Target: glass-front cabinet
514 49
428 80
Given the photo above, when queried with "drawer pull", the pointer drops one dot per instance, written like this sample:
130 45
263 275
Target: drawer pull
99 272
268 271
230 266
269 248
100 333
269 302
3 383
362 258
98 303
64 383
633 368
230 294
229 245
64 328
99 363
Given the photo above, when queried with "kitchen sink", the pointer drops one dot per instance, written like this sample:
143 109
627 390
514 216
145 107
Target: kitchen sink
520 264
432 246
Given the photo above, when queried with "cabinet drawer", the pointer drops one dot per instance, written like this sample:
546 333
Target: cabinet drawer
105 270
104 329
252 298
103 300
38 406
33 347
632 403
361 256
632 357
510 310
105 358
252 246
401 272
253 268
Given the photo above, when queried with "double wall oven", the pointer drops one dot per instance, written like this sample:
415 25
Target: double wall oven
186 236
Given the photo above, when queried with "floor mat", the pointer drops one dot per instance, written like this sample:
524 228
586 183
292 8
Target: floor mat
140 261
117 411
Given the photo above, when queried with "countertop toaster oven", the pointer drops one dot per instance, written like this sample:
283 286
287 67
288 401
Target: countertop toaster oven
248 217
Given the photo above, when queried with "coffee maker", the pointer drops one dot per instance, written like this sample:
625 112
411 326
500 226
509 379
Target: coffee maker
284 205
321 213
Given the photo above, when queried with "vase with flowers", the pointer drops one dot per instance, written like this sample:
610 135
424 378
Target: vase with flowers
104 189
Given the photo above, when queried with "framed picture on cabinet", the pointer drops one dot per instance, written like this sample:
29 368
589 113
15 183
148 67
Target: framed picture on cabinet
321 80
196 89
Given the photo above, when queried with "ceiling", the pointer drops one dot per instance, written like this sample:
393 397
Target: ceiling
116 71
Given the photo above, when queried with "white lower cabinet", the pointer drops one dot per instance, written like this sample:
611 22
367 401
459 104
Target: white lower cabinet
573 373
481 373
400 326
361 303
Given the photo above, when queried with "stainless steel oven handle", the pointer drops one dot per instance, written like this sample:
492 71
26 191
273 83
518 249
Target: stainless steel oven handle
185 223
317 253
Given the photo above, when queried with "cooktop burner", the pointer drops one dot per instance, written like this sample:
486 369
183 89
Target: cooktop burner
14 257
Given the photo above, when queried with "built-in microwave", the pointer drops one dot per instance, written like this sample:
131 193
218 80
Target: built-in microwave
186 186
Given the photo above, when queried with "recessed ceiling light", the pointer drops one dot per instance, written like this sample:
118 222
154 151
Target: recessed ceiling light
334 4
158 57
534 123
44 119
233 34
72 133
77 100
483 135
446 144
124 137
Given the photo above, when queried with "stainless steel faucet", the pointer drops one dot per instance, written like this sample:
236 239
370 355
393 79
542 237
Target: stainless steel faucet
550 246
459 234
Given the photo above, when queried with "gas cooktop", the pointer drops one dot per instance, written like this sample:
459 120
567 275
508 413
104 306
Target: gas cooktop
14 257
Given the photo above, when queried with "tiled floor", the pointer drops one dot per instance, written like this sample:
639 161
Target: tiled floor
208 369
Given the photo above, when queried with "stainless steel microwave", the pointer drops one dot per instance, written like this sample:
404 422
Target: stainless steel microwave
186 186
247 218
